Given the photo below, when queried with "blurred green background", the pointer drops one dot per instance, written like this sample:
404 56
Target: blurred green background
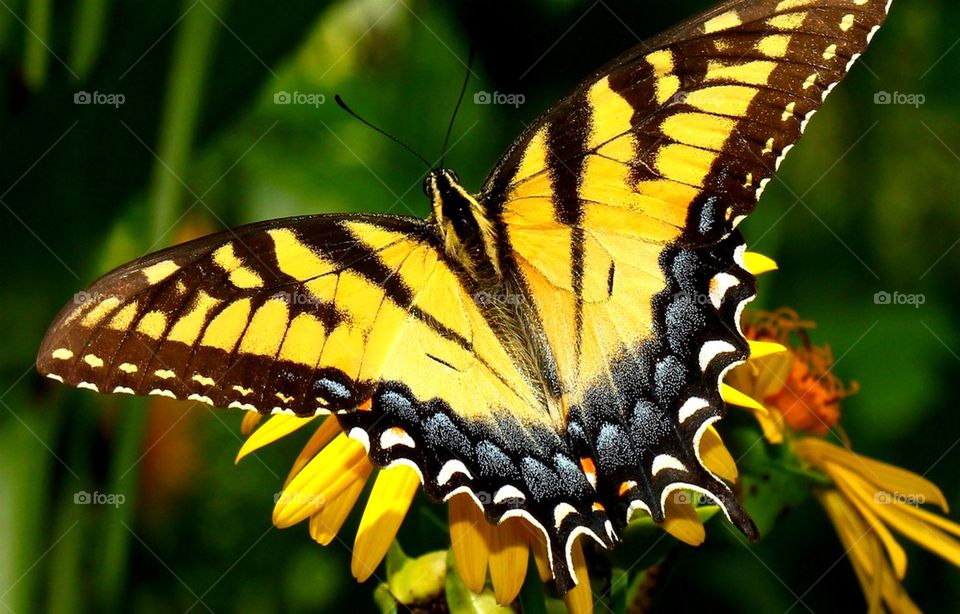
183 134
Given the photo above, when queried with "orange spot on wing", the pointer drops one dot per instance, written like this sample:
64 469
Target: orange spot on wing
366 405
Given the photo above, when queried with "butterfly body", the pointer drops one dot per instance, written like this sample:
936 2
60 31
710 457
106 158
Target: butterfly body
553 346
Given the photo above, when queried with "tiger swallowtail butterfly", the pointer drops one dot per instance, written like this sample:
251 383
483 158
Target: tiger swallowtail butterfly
539 342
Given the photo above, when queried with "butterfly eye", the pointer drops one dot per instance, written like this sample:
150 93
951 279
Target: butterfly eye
453 176
427 188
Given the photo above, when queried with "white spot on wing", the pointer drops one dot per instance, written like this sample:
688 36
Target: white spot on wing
560 512
663 462
853 60
450 468
690 407
783 154
719 285
712 349
508 492
635 506
396 437
406 462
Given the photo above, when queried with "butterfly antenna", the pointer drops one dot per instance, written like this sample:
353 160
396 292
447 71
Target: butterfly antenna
463 90
344 106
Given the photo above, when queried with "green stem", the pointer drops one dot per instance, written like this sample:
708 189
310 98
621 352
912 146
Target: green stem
89 20
184 93
191 54
814 477
36 41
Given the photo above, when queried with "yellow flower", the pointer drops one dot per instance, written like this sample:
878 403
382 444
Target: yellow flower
328 478
795 386
868 498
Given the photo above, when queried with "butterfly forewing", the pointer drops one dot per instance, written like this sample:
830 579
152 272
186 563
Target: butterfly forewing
617 211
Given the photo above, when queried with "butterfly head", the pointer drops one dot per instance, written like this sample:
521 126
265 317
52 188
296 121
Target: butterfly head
466 232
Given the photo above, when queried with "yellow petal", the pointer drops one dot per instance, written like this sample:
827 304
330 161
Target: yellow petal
895 595
327 475
938 521
734 397
896 553
579 599
882 475
681 520
894 514
715 456
853 533
539 548
509 554
758 264
772 426
389 502
324 434
762 349
325 524
249 422
470 540
277 427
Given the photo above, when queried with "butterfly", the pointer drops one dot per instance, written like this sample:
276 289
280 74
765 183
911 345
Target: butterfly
552 346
